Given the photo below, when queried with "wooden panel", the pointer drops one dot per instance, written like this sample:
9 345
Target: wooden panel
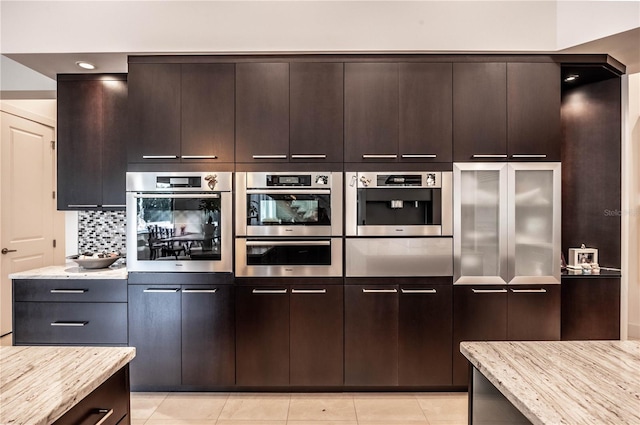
114 141
370 336
208 336
533 119
316 344
262 110
208 110
533 316
317 91
426 97
371 110
479 110
590 308
74 290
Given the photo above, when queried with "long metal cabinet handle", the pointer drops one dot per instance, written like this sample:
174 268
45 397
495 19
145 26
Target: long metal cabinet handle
199 157
534 155
417 155
200 291
269 291
379 156
308 291
529 291
379 291
309 156
269 156
68 291
113 206
288 243
107 414
488 291
82 206
159 156
418 291
161 290
289 192
176 195
78 324
488 156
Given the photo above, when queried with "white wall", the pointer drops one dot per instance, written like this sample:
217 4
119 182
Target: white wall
633 179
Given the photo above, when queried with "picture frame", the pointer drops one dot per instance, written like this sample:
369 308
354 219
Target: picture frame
578 256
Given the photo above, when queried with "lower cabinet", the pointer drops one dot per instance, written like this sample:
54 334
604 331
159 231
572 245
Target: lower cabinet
500 313
289 334
398 333
184 335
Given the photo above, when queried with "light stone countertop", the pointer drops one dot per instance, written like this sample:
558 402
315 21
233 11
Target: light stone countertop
70 270
39 384
564 382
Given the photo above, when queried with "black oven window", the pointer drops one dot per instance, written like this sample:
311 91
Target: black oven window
178 228
289 210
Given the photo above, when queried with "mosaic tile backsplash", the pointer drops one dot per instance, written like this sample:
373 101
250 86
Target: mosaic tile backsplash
100 231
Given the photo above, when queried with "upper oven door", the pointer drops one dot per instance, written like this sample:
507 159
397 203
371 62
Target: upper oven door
289 211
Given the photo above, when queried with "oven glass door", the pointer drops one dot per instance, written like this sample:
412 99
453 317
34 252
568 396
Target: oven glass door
288 208
183 227
399 207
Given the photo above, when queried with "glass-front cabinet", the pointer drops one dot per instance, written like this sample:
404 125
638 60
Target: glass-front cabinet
507 223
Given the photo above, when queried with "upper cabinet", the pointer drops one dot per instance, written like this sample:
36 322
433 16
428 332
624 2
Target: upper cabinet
289 112
506 111
92 123
398 112
181 112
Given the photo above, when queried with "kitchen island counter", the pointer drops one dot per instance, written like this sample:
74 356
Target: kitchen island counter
560 382
40 384
70 270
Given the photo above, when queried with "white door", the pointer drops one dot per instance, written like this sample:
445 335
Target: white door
27 207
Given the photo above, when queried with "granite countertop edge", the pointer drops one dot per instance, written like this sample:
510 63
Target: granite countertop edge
71 270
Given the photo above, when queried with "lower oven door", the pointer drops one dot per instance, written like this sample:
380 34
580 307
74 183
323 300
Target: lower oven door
382 257
277 258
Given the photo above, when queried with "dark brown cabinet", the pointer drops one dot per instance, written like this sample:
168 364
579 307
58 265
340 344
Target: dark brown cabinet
181 112
590 308
92 124
533 313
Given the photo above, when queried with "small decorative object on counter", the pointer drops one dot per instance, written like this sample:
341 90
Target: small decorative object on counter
583 255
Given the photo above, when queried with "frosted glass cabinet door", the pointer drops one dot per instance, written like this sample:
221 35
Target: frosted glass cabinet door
534 231
480 235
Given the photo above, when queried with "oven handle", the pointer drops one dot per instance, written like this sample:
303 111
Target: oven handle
289 192
176 195
288 243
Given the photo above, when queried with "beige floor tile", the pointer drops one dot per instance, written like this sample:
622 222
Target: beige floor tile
383 395
180 422
191 406
443 407
322 423
389 409
266 407
334 395
138 421
256 422
322 409
144 404
392 422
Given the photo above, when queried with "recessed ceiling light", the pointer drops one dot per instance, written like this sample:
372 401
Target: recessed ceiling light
85 65
571 77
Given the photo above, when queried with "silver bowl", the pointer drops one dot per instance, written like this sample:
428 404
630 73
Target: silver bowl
95 263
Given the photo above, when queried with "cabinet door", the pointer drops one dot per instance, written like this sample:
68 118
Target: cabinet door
425 98
479 314
316 111
80 124
371 112
590 308
262 336
114 142
533 313
208 335
262 112
479 111
371 335
208 111
425 327
155 331
533 121
154 112
316 345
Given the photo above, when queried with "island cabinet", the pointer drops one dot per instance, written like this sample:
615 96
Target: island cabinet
506 111
501 313
92 140
398 333
289 334
181 112
289 112
185 330
398 112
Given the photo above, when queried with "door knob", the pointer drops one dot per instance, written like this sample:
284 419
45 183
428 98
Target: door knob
6 251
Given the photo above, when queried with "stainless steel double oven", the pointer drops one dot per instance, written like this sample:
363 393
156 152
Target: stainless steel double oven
288 224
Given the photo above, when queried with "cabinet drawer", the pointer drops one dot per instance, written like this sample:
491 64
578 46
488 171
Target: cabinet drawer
73 290
70 323
109 402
